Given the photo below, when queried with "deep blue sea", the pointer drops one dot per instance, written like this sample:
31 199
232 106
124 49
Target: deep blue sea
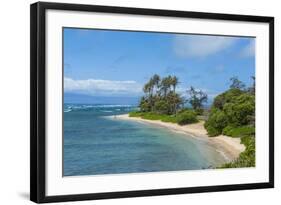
97 144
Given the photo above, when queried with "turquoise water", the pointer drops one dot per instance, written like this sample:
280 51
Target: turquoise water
97 144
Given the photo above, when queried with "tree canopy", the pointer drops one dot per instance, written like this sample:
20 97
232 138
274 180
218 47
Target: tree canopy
161 96
235 107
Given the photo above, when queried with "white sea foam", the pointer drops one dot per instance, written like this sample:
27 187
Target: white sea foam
112 106
107 111
101 107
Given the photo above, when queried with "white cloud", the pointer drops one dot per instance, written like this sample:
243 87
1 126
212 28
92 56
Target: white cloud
249 50
200 46
220 68
102 87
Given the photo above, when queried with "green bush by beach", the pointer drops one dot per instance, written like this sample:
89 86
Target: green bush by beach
243 131
154 116
185 117
216 122
233 114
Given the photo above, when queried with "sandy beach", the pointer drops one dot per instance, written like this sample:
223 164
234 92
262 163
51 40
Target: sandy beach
229 147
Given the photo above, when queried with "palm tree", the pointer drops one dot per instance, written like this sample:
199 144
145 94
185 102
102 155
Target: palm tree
163 86
156 81
147 88
166 84
161 93
174 82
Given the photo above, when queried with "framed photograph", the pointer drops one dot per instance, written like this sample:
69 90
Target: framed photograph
129 102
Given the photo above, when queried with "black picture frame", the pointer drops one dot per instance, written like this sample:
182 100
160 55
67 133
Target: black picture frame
38 101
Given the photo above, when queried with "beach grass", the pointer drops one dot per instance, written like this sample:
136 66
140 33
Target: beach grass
241 131
186 117
154 116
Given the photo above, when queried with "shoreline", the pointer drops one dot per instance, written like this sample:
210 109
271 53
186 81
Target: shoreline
228 147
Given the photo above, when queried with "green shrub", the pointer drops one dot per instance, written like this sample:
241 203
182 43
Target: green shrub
227 130
187 117
162 107
183 110
144 105
154 116
232 109
212 132
135 114
199 111
169 118
216 122
242 131
151 116
240 110
226 97
248 140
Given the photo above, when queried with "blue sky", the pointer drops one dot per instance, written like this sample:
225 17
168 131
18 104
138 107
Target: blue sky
118 63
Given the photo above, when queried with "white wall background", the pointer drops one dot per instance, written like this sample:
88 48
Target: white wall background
14 100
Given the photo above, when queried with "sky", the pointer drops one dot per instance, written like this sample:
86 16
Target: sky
116 64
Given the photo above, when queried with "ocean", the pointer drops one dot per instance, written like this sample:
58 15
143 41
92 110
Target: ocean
96 144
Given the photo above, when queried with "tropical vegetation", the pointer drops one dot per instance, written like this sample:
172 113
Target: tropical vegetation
233 114
162 102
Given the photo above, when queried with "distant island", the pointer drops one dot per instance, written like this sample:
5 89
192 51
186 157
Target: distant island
229 124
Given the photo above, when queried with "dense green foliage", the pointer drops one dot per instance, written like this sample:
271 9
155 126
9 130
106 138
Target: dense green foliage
185 117
231 109
243 131
216 122
160 95
233 114
154 116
